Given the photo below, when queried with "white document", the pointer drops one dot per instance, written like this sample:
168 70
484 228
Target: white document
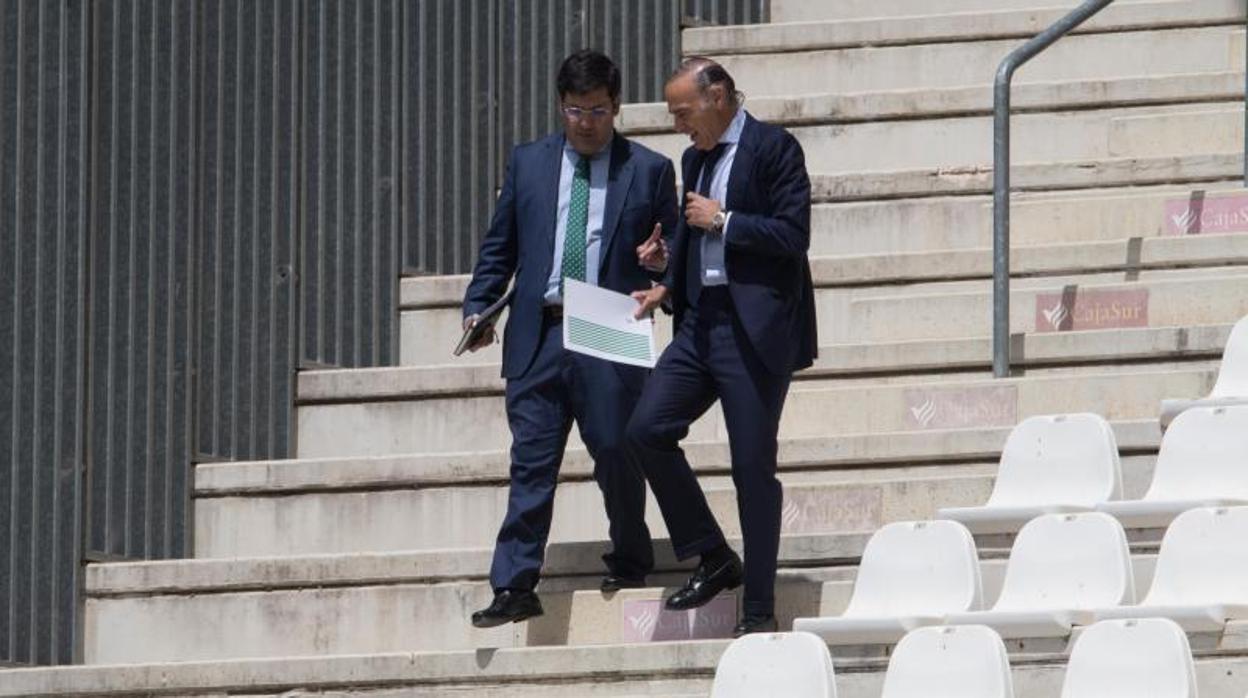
599 322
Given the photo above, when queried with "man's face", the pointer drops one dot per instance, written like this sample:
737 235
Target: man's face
695 115
589 120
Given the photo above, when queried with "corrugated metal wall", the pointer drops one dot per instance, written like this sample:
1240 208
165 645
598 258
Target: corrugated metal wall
199 196
140 287
246 207
350 115
486 70
43 320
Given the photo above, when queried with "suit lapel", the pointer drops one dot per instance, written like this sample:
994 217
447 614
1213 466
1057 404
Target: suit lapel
693 167
619 179
548 200
692 254
742 163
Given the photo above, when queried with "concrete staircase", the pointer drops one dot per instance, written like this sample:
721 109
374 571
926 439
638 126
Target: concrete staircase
352 569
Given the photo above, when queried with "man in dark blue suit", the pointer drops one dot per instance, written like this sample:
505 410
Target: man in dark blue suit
591 205
739 284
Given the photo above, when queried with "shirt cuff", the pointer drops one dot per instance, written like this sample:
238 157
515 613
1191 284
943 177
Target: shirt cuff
724 231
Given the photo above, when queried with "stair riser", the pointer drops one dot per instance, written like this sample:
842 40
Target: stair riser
807 11
474 424
952 142
1223 299
1080 57
467 517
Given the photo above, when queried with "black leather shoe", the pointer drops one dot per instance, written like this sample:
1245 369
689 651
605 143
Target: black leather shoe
509 606
707 581
755 624
614 582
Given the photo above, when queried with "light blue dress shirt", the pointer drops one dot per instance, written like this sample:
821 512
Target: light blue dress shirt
599 166
714 271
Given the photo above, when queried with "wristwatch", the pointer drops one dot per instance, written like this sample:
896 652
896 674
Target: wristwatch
718 221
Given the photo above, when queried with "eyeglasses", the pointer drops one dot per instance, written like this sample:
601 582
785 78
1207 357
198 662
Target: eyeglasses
578 113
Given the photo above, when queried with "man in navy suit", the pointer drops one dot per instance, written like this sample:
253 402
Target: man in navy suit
586 204
739 284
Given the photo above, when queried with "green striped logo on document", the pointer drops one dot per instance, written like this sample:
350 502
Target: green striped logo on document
609 340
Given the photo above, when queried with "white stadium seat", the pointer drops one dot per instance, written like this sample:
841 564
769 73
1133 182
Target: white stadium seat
796 665
1062 566
967 661
1050 464
1131 659
1201 578
1231 387
1203 462
912 573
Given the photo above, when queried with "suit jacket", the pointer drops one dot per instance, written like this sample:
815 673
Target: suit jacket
765 246
641 190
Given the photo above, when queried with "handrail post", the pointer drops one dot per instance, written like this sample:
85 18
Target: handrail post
1001 174
1001 222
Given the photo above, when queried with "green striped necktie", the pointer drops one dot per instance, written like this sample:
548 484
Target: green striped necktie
578 217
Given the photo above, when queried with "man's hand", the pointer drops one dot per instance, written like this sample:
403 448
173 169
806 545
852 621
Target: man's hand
647 301
485 339
699 210
652 254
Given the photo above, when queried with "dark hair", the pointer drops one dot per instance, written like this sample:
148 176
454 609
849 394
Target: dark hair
588 70
707 72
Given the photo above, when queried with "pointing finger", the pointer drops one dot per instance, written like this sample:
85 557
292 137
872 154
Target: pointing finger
658 230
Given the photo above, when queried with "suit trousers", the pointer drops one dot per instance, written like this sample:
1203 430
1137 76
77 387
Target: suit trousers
558 388
711 358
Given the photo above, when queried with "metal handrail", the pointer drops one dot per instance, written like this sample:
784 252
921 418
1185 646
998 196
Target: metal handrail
1001 175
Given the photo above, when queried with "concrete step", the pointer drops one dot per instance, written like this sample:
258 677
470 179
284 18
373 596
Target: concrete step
940 25
1044 227
394 617
948 211
300 617
390 517
848 284
1034 353
1142 131
374 413
411 512
402 502
661 669
850 453
807 11
1207 129
957 358
1157 302
974 62
835 108
1153 298
1133 254
334 604
864 301
1037 219
1051 176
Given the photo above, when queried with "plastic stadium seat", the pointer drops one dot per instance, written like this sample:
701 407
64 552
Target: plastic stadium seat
1203 462
967 661
1062 567
912 573
1050 464
1231 387
1130 659
1201 578
796 665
